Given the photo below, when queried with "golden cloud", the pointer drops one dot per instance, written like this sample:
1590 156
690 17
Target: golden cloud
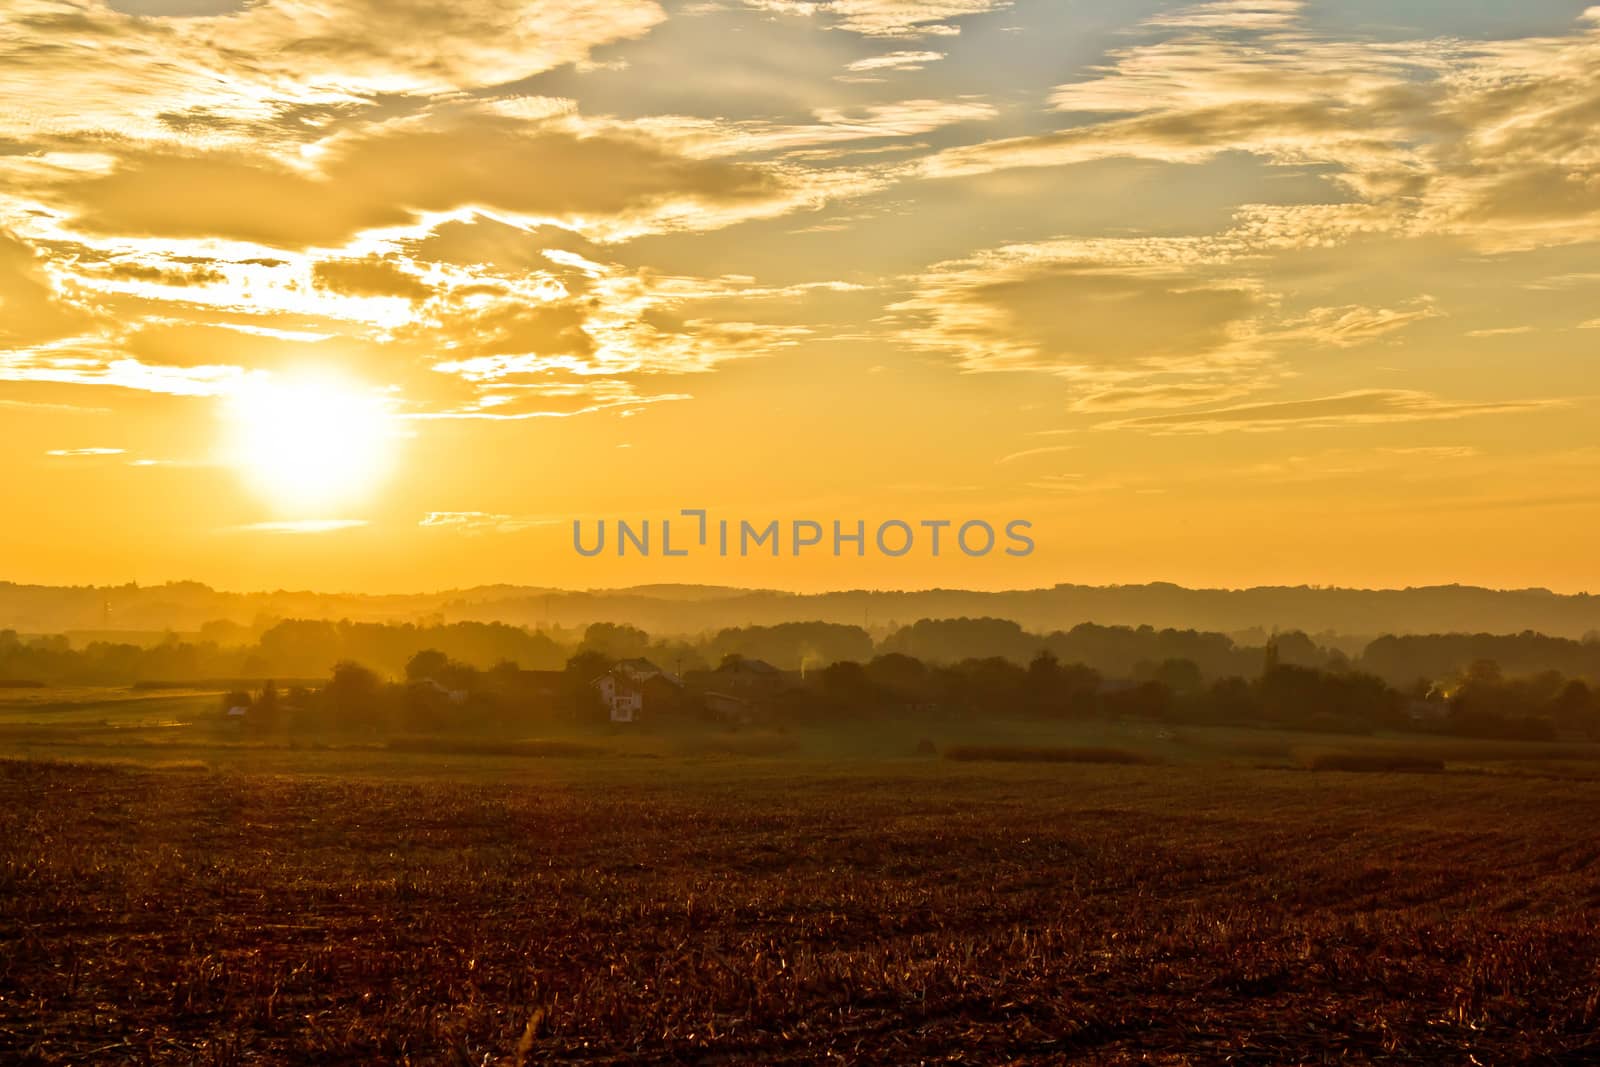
1360 407
1083 309
271 65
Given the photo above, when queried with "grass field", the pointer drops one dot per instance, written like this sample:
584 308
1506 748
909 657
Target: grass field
361 906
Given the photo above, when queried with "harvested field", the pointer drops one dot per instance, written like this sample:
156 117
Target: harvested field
913 911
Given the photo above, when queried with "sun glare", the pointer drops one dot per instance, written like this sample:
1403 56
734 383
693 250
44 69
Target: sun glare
310 441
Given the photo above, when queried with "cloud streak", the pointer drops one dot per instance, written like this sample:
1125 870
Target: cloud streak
1359 407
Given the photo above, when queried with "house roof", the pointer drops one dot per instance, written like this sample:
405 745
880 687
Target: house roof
755 666
640 669
636 672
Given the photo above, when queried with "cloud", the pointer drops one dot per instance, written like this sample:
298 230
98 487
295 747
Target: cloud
86 452
1082 309
32 311
583 336
178 463
1293 100
832 125
894 61
905 118
1074 483
264 67
1361 407
1490 141
1356 462
63 409
400 173
907 18
887 18
1158 395
303 526
511 323
1234 14
1346 327
1029 453
93 362
477 522
513 395
370 276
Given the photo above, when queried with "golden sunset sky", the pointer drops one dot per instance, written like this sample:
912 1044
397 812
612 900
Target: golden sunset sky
365 295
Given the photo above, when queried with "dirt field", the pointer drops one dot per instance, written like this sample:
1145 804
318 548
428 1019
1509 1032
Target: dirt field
740 910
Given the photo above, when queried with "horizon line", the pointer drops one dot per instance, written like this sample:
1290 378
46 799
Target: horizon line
862 590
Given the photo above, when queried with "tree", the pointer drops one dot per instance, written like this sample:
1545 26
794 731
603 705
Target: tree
846 683
429 663
1182 676
588 664
354 693
617 640
1044 686
899 674
1574 710
1296 649
1485 672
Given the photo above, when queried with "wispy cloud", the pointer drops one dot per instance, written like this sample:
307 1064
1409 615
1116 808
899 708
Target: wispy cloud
1487 141
887 18
1360 407
40 405
1084 309
478 522
1028 453
303 526
1233 14
893 61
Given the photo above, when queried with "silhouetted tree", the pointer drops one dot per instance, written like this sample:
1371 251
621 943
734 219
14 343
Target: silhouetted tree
426 664
588 665
616 640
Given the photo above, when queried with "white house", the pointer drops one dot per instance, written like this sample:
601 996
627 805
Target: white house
623 698
623 688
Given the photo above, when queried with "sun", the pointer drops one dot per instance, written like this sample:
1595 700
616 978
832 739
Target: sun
310 440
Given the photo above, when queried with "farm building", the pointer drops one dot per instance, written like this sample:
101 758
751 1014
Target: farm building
636 688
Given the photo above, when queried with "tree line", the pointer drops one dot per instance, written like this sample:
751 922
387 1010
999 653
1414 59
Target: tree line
308 649
437 693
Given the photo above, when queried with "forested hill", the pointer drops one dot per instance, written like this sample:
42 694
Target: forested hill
667 609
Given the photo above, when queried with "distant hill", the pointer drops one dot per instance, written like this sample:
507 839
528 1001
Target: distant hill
689 609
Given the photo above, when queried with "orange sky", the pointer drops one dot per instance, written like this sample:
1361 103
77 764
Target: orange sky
362 296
